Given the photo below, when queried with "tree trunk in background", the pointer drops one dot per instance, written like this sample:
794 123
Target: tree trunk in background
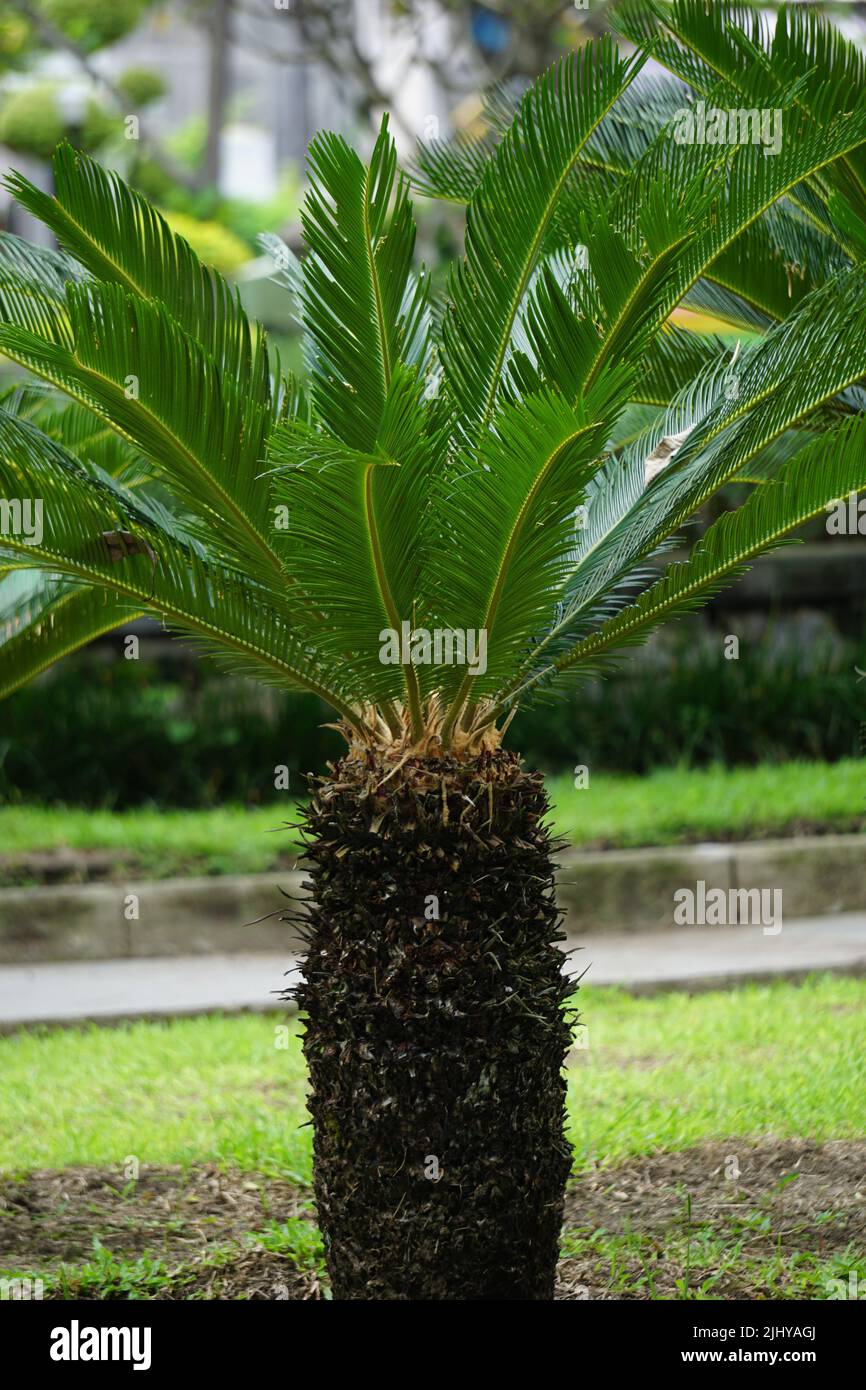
435 1033
217 96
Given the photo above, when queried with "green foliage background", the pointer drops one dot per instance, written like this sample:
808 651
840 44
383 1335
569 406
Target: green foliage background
125 733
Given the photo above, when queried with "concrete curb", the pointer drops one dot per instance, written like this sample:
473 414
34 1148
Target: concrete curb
633 890
158 917
608 891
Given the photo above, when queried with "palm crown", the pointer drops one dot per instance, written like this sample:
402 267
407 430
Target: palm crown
504 463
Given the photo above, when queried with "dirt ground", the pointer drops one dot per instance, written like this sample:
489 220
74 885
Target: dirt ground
50 1218
822 1210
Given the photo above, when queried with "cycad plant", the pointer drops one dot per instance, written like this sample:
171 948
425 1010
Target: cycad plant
461 508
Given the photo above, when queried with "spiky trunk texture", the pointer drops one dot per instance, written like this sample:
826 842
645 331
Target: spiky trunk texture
435 1032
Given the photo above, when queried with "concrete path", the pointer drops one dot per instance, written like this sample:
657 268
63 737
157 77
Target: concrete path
691 958
714 957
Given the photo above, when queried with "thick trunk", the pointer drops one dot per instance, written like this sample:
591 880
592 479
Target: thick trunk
435 1032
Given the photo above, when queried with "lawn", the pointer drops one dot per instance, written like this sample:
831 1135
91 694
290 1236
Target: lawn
715 1139
666 807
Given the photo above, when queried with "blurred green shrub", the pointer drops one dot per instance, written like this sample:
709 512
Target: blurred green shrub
141 86
123 733
14 35
778 701
31 120
247 218
93 23
214 244
100 124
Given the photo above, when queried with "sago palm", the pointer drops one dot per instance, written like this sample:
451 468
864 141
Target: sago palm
462 507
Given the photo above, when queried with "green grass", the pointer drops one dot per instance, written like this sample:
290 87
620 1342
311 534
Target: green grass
107 1275
633 1261
110 1276
660 1073
675 804
218 1089
669 806
159 842
674 1070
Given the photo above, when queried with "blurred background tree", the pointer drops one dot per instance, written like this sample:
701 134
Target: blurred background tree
225 94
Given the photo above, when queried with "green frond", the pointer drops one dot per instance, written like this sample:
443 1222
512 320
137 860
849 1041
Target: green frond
352 539
829 467
674 359
33 284
52 621
726 419
92 441
741 192
708 297
134 367
738 47
77 429
451 170
776 262
510 517
769 461
360 305
511 213
636 419
121 239
638 248
850 222
603 559
90 536
801 364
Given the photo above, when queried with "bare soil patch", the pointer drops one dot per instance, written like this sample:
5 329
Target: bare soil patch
185 1216
821 1210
